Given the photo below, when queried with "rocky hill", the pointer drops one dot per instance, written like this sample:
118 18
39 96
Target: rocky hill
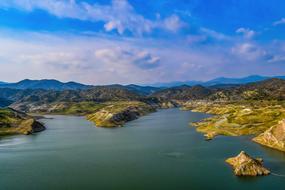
274 137
271 89
15 122
115 114
244 165
183 93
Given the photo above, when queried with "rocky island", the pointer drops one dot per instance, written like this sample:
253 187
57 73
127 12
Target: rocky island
244 165
14 122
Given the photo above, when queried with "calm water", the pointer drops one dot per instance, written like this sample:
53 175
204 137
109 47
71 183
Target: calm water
158 151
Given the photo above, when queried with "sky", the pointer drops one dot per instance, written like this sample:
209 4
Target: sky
140 41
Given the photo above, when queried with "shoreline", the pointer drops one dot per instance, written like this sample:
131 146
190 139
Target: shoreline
238 118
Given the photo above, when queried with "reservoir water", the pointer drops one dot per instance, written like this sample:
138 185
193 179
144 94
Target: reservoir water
158 151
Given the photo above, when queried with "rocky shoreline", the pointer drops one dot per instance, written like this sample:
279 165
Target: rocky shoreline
264 119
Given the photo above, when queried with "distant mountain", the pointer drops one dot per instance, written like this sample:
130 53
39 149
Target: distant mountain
143 90
175 83
269 89
218 81
223 80
2 82
5 102
44 84
183 93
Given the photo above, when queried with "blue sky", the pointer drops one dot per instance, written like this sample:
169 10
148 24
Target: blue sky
139 41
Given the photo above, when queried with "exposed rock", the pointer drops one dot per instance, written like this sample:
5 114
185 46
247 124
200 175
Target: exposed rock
209 136
30 126
169 104
244 165
274 137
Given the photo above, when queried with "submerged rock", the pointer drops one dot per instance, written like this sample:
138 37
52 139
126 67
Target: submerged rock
274 137
244 165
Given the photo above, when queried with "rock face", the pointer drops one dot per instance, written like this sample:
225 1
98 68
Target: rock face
31 126
274 137
244 165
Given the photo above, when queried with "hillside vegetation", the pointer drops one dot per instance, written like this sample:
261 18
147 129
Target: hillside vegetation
14 122
115 114
237 118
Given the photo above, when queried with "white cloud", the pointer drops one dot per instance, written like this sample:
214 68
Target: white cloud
172 23
214 34
119 15
246 32
249 51
279 22
277 59
131 57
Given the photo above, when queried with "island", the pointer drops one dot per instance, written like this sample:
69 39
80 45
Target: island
244 165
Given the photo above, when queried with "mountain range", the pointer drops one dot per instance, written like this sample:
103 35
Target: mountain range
218 81
51 84
25 100
47 84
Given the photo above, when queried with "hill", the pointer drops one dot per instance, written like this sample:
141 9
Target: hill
4 102
183 93
42 99
44 84
15 122
270 89
142 90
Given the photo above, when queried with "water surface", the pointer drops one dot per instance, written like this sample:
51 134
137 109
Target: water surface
158 151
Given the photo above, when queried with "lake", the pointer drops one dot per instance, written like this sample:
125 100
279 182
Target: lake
157 151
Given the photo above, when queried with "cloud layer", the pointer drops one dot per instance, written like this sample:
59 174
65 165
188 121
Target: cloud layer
119 16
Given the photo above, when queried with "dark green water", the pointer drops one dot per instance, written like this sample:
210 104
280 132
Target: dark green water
158 151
